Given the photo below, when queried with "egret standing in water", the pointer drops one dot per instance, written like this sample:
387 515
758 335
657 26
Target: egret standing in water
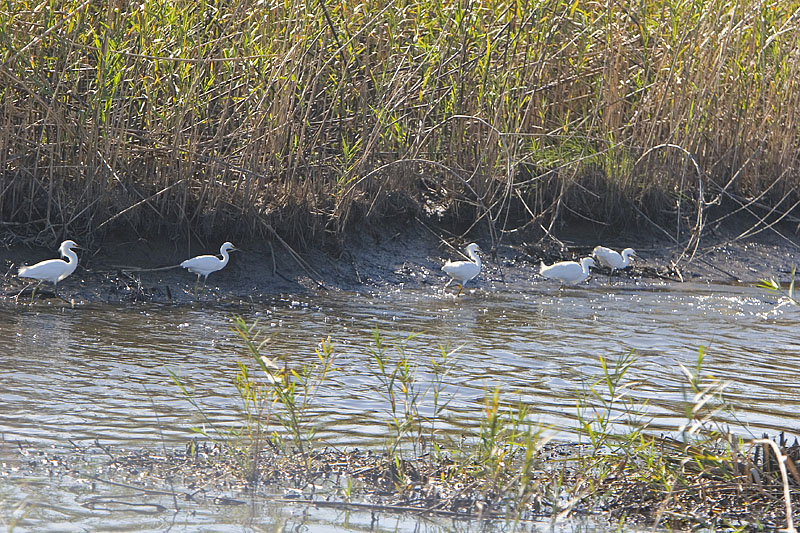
567 272
52 270
613 259
203 265
463 271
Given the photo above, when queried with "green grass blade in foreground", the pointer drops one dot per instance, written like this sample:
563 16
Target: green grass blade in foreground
607 414
775 286
292 391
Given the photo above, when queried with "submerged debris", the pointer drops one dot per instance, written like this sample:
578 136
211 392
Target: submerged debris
698 488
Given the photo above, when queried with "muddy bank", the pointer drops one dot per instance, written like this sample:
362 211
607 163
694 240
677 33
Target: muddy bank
119 270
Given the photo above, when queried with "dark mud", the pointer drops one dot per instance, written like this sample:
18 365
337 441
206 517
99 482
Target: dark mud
395 258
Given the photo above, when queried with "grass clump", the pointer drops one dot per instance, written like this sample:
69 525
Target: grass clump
700 476
504 466
281 396
246 119
293 389
776 287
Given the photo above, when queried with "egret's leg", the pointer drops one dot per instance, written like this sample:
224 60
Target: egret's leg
16 298
33 292
460 288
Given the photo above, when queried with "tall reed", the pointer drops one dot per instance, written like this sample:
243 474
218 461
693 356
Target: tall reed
304 117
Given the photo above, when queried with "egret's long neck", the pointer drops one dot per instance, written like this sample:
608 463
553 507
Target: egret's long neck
225 256
585 267
626 258
72 259
475 258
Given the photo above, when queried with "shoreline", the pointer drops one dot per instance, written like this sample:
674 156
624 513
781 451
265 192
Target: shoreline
387 259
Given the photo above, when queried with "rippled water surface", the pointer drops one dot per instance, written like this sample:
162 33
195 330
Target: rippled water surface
103 372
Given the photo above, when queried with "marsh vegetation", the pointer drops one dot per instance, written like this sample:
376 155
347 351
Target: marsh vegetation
302 119
503 466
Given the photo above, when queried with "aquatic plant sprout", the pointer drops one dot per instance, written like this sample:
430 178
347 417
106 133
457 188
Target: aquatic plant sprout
776 286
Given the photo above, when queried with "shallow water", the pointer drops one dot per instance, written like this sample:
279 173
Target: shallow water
103 372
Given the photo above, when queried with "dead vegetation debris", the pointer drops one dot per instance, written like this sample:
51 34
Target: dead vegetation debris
707 489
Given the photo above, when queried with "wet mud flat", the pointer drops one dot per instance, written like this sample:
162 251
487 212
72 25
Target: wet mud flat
379 259
559 482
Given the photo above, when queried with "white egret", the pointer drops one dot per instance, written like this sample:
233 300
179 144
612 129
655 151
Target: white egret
52 270
567 272
203 265
463 271
612 259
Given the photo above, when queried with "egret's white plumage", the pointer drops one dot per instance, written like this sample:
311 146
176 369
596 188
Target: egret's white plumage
613 259
567 272
203 265
53 270
463 271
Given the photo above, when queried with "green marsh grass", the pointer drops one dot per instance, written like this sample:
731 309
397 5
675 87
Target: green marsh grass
275 401
244 442
619 465
776 287
411 431
244 118
285 391
675 476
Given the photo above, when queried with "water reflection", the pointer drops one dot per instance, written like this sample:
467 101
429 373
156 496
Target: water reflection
101 372
80 507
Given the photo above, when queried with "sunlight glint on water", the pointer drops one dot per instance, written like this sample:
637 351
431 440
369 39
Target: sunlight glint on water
102 372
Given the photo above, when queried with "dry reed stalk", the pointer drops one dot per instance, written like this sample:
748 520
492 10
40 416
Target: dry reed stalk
282 112
787 495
